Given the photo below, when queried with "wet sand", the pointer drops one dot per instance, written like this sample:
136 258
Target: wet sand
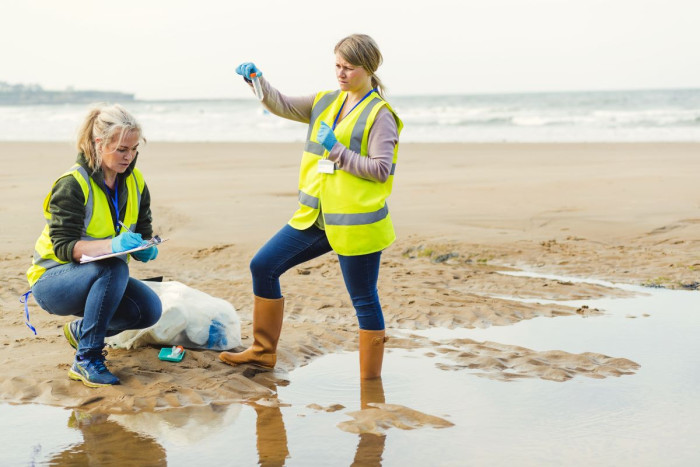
622 212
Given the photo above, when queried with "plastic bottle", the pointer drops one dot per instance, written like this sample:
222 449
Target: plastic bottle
257 86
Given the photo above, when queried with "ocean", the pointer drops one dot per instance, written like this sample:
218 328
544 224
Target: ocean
603 116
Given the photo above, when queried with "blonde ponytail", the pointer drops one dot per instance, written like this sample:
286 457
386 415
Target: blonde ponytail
86 141
378 85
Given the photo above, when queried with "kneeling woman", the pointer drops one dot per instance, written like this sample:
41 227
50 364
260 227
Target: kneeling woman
101 205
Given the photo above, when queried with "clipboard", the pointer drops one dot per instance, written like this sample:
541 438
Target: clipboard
156 240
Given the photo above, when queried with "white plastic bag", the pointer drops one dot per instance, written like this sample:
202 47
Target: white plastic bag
191 318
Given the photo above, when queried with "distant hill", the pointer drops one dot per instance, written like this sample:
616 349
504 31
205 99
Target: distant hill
19 94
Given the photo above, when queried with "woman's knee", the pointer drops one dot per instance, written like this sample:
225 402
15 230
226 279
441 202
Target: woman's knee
369 299
152 309
153 315
141 306
259 266
141 315
370 319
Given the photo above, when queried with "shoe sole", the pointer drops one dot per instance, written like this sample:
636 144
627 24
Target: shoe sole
78 377
69 336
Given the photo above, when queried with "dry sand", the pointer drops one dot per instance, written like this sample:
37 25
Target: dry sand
623 212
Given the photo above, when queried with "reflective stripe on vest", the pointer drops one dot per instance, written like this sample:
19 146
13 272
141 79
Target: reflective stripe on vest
308 200
46 263
358 131
362 218
89 205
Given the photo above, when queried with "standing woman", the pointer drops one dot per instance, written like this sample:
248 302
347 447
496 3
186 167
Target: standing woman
100 205
346 175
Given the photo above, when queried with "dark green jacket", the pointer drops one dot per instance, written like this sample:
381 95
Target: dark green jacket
67 208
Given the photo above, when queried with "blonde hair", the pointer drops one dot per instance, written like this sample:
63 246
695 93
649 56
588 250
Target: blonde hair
361 50
103 121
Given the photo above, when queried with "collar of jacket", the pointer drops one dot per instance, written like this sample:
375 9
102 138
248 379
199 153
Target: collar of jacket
99 175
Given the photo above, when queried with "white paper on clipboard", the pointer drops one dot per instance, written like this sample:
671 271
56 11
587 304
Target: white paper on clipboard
156 240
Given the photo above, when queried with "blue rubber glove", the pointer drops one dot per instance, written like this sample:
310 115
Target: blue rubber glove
146 255
326 136
126 241
246 68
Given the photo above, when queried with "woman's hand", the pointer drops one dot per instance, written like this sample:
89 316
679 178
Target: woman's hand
146 255
245 69
326 136
126 241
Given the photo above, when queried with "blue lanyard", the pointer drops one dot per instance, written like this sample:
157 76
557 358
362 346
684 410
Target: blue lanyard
114 200
25 299
335 122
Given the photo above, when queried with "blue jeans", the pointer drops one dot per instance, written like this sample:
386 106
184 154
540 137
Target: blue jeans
290 247
103 294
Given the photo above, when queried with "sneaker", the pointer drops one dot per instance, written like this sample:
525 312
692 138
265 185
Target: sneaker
91 370
72 332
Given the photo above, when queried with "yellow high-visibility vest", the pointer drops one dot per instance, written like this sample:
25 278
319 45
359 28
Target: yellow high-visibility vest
354 209
97 224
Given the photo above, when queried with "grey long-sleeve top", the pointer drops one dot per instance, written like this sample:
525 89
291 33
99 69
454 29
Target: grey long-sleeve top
383 136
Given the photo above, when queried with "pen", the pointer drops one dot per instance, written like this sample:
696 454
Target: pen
123 226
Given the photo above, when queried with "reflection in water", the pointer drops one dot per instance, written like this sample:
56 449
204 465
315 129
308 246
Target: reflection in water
131 439
270 432
371 446
184 426
108 443
271 436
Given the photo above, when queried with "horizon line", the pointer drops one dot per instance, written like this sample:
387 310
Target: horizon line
484 93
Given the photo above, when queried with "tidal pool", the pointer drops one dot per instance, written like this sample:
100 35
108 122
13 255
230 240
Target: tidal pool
647 418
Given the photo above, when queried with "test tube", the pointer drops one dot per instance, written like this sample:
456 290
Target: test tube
257 86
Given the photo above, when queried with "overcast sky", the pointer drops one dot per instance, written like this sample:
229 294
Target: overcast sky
173 49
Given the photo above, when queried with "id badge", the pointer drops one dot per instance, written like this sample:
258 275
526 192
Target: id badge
326 166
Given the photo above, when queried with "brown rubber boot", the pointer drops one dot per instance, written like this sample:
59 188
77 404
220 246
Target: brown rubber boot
267 326
371 353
